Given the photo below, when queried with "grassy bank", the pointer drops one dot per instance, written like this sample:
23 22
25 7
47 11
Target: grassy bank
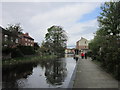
97 62
27 59
105 69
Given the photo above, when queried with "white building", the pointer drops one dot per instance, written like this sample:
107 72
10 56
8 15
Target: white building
82 44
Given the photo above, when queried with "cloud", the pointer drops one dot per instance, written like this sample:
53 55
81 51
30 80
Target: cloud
79 30
54 0
37 17
0 13
67 17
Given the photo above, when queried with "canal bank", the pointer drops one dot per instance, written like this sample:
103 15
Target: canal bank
27 59
90 75
71 83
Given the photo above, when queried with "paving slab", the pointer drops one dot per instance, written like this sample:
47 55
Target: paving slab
90 75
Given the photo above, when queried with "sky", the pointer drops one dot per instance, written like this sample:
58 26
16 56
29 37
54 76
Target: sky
78 19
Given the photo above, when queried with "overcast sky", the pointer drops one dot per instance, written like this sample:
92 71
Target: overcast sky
78 19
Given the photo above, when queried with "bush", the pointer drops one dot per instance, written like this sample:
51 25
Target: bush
16 53
27 50
89 54
6 50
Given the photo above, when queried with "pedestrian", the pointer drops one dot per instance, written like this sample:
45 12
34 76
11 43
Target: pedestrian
85 55
82 55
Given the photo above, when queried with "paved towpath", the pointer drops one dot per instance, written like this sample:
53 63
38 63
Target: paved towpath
90 75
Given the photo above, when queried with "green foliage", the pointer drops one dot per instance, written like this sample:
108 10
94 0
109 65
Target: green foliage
30 59
12 31
106 44
6 50
15 29
36 46
16 53
27 50
55 40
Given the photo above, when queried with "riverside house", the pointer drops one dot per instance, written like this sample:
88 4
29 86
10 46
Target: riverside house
82 45
26 40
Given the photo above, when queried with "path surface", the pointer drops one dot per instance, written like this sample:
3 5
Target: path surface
90 75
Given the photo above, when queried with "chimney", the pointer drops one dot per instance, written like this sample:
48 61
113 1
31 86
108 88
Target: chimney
27 34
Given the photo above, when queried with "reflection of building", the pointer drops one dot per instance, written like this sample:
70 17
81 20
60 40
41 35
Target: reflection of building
82 44
26 40
69 51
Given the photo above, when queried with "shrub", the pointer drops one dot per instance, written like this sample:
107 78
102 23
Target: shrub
6 50
16 53
27 50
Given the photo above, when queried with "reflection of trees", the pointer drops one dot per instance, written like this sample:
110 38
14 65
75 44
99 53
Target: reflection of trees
69 55
55 72
12 73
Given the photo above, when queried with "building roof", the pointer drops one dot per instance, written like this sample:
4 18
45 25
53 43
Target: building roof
26 35
81 39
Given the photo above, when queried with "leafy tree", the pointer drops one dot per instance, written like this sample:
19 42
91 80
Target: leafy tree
106 43
36 46
56 40
15 29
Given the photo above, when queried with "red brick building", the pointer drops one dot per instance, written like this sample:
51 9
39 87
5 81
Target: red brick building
26 40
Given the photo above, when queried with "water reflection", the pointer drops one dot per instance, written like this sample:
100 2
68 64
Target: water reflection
28 75
69 55
14 72
56 72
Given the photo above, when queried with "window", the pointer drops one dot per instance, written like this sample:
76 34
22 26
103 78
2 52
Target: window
16 41
25 44
6 37
25 39
11 39
85 42
5 45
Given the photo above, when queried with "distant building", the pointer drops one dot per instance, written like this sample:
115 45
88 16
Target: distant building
82 44
26 40
69 51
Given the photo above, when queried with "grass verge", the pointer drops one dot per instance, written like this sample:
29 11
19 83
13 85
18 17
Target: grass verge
27 59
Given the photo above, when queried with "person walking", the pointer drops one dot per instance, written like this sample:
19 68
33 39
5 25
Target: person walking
82 55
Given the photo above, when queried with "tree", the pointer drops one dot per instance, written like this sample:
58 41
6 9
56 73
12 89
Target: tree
12 32
110 18
36 46
15 29
56 40
106 43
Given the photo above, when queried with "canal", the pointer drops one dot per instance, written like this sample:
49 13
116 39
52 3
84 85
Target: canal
45 74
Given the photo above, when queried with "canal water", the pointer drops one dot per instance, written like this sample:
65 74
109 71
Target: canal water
45 74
